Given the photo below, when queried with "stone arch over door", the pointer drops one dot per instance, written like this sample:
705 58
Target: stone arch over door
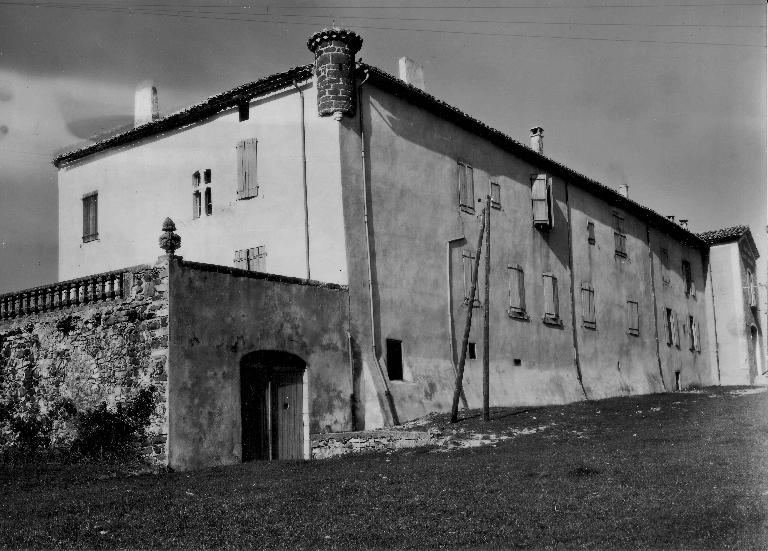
273 406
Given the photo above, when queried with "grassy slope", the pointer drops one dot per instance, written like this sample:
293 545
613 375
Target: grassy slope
609 474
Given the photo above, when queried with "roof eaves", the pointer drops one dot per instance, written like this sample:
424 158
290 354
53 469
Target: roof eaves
731 234
419 97
191 114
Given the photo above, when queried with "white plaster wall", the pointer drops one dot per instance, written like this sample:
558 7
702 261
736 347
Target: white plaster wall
141 184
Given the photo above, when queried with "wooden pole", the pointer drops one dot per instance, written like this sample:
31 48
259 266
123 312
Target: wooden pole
486 313
468 325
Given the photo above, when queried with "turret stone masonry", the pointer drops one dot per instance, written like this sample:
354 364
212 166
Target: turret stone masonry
335 51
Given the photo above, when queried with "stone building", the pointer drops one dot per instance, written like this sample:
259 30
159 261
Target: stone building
736 309
328 216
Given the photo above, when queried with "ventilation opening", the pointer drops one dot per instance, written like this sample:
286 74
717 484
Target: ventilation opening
395 360
244 111
471 351
677 380
517 362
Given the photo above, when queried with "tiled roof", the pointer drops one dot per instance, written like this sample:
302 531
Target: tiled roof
231 98
729 235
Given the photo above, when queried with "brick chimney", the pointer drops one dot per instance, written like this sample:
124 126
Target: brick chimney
684 223
145 103
335 51
411 72
537 139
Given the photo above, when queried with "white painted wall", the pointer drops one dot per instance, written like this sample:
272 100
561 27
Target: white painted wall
141 184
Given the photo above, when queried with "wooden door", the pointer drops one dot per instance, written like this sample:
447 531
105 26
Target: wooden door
254 400
287 423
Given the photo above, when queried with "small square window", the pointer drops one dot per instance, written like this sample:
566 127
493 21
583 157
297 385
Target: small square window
471 351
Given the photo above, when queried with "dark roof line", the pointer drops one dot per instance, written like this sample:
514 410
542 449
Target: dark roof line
238 272
419 97
191 114
730 235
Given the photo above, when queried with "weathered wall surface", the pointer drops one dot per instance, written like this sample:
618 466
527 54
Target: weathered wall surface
141 184
98 352
217 316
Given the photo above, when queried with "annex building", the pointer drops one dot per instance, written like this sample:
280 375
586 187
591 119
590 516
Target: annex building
327 217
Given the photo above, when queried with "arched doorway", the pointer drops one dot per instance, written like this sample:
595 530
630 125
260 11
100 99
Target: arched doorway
272 405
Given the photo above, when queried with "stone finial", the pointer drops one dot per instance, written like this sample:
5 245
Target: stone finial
169 241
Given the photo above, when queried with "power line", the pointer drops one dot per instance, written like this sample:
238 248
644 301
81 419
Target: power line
469 7
169 13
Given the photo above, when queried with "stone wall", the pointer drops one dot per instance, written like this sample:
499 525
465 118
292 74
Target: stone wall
104 351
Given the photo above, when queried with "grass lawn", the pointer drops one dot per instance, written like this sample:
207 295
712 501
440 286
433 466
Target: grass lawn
680 470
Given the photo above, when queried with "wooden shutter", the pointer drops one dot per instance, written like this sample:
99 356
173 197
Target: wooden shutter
467 262
516 289
247 184
495 194
696 336
588 305
591 233
240 260
551 302
466 186
675 330
633 318
541 199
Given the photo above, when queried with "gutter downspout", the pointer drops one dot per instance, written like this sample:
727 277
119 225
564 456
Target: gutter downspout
655 307
576 360
364 166
304 176
714 317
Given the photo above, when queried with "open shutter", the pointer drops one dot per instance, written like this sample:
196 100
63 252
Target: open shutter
247 185
516 289
675 330
551 302
541 199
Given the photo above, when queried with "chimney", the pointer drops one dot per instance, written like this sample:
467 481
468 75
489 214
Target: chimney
624 190
411 72
335 51
145 104
537 139
671 217
684 223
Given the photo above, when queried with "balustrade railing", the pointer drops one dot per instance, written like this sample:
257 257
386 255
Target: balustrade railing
84 290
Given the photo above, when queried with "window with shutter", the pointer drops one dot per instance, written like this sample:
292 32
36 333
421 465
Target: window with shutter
551 300
751 289
696 336
495 194
241 260
588 306
619 236
247 185
196 204
467 265
516 291
633 318
668 326
675 330
90 217
692 332
688 277
196 179
257 259
541 198
591 233
466 187
208 202
207 176
665 266
243 110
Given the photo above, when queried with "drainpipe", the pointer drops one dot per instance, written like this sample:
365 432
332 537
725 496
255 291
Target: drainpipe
714 317
364 165
304 175
576 359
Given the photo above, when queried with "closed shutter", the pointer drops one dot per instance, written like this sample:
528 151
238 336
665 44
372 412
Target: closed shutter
516 289
247 185
241 260
633 318
588 305
541 199
466 186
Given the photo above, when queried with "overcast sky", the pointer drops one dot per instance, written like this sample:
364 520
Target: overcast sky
668 96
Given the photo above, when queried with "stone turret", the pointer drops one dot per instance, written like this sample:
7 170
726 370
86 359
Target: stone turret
335 51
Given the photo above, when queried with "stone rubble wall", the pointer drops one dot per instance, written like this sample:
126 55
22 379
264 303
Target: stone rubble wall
94 353
333 444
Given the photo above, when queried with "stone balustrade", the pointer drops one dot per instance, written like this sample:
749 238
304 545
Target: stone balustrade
75 292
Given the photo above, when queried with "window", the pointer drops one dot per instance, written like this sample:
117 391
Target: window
395 360
688 277
196 204
619 236
207 176
90 217
633 318
208 202
516 291
495 192
693 330
243 110
671 327
591 233
471 351
751 289
196 179
541 197
466 187
588 306
551 300
247 185
468 264
253 259
665 266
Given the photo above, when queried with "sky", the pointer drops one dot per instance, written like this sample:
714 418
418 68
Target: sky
667 96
